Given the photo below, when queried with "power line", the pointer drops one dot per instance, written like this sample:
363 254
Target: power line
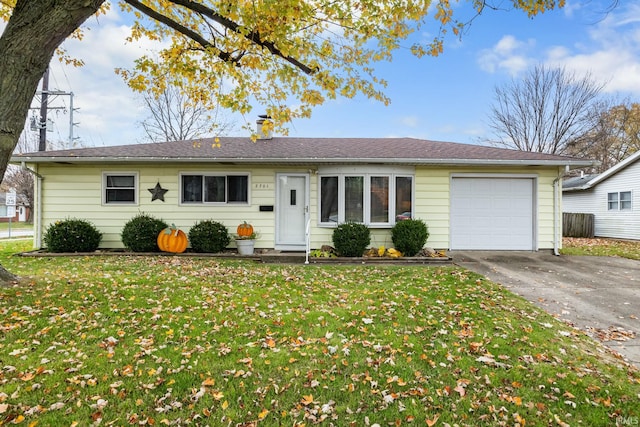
41 123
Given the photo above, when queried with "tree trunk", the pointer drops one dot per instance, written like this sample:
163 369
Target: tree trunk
32 35
6 276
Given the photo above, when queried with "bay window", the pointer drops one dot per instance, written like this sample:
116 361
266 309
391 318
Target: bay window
379 197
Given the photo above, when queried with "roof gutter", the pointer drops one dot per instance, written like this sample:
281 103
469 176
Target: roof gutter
306 160
581 188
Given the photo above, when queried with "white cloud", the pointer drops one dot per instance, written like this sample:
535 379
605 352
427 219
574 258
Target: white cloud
102 98
508 54
409 121
613 54
571 7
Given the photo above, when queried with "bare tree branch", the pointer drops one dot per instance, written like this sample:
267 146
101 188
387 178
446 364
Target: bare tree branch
545 111
172 117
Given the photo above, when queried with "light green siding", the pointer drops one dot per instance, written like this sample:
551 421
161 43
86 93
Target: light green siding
75 191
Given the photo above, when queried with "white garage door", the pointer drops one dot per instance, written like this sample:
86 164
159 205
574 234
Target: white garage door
492 213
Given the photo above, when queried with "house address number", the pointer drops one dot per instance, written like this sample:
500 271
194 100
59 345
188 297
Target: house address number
262 186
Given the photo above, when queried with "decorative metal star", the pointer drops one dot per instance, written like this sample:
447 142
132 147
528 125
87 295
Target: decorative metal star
157 192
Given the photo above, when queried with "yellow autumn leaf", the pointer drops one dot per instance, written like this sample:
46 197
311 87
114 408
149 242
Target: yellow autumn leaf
263 414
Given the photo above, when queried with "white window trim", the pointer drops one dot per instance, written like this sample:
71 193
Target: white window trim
367 173
136 187
225 174
619 201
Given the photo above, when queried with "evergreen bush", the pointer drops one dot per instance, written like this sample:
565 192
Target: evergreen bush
409 236
209 236
351 239
72 235
140 234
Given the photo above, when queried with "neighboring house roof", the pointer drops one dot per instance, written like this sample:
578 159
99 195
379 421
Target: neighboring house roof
279 150
577 181
594 180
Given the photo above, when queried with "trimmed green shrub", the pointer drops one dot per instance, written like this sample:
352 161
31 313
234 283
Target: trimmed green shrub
140 233
409 236
209 236
351 239
72 235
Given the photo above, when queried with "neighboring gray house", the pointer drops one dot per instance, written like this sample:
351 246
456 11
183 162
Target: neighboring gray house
612 197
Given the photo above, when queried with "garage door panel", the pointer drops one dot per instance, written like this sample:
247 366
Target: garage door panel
492 213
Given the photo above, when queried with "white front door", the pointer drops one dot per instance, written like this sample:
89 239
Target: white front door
292 208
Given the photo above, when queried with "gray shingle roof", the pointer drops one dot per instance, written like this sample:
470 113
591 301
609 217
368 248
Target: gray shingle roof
577 181
303 151
593 180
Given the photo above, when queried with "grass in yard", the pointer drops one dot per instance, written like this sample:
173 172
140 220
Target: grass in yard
601 247
177 341
4 226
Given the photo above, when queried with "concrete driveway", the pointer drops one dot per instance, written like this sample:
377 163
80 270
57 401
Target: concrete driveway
599 295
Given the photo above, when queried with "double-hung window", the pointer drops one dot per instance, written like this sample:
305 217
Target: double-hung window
379 197
214 188
619 201
119 188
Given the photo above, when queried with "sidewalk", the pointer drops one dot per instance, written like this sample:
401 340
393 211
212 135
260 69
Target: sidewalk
12 234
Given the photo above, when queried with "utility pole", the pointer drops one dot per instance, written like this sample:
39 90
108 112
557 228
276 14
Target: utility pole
40 124
71 122
42 146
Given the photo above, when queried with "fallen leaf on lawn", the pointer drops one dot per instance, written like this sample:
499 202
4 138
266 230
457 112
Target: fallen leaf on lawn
433 422
461 391
492 362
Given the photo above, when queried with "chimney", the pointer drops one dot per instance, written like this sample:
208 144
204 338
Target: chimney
260 130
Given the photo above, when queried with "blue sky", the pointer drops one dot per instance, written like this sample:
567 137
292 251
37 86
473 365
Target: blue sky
445 98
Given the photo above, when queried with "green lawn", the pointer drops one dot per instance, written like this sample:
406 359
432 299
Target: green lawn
185 341
16 226
602 247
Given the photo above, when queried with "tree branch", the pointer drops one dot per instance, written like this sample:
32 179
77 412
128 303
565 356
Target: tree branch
225 56
253 36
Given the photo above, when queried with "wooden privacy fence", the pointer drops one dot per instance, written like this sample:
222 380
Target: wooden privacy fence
577 225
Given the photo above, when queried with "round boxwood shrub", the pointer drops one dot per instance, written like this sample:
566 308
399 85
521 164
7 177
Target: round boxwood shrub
409 236
209 236
351 239
72 235
140 233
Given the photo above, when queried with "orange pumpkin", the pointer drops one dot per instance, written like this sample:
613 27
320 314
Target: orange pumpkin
245 229
172 240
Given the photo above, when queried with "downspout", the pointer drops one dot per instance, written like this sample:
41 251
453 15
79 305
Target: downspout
556 251
557 212
38 206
